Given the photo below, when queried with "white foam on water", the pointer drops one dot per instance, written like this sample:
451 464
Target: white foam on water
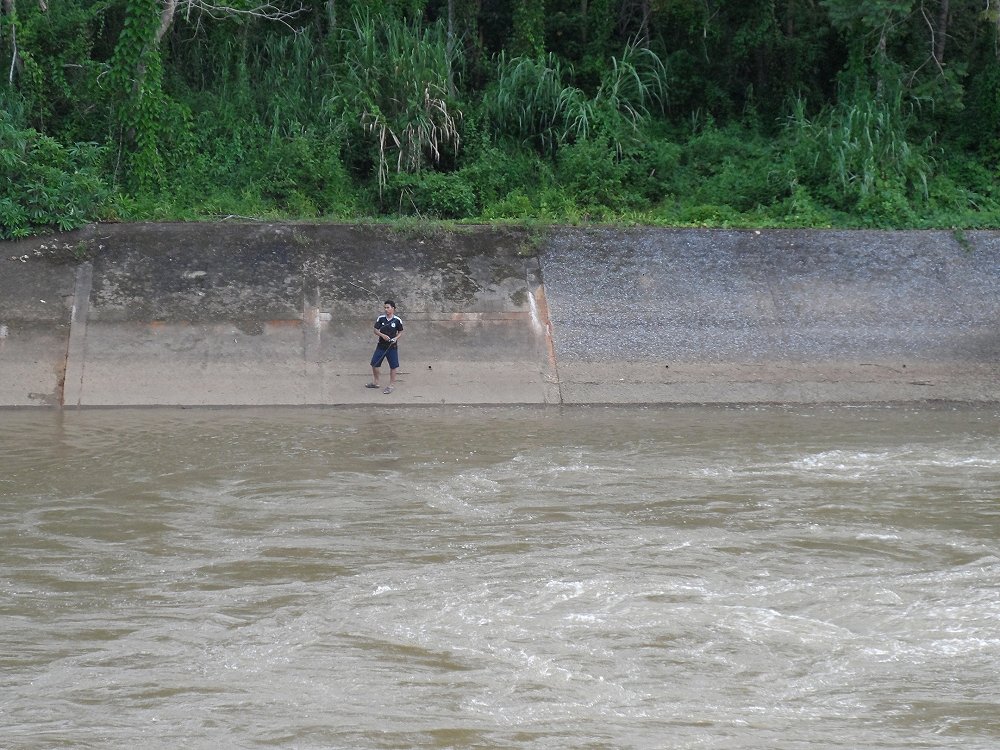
574 579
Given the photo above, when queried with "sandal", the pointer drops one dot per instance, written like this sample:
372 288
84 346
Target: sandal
371 385
388 389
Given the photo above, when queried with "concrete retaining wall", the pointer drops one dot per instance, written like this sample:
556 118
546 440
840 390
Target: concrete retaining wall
191 314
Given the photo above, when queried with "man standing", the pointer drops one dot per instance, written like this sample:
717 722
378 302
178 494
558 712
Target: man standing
388 329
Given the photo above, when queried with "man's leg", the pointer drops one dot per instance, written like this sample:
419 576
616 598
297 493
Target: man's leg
393 356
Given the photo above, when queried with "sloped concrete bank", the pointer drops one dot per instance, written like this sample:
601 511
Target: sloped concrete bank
261 314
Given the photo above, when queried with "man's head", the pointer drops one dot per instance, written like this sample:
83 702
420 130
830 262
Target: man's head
390 307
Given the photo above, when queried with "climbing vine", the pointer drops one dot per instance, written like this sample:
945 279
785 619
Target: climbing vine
138 99
529 28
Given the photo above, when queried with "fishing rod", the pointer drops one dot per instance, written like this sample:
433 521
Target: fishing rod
385 353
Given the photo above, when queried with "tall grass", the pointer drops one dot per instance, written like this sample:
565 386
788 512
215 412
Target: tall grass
635 84
533 101
536 101
394 82
858 151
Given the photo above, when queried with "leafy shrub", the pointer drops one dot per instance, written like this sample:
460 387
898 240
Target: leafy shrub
516 205
972 174
748 183
494 171
886 205
959 204
590 171
726 166
44 184
553 205
801 209
305 177
651 166
437 194
708 215
709 146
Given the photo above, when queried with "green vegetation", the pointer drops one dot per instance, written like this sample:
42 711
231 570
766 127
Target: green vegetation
800 113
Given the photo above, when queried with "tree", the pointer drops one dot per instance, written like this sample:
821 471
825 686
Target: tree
868 26
8 11
529 28
137 71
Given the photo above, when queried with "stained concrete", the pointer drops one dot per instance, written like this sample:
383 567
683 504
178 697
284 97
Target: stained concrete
261 314
783 316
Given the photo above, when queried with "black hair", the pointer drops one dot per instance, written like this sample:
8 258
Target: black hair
390 303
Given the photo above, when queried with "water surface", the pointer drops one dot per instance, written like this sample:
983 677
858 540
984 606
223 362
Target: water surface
769 578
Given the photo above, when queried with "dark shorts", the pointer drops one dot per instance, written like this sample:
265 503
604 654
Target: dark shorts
392 358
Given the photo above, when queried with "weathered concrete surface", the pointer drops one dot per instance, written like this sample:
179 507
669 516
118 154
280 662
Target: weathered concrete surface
35 310
250 315
187 314
784 316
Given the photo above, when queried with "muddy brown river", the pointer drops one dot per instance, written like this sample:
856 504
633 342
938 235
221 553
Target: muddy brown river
766 578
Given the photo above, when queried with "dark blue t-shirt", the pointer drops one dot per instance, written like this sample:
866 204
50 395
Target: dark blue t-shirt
390 328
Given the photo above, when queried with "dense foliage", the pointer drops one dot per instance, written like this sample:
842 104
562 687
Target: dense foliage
877 113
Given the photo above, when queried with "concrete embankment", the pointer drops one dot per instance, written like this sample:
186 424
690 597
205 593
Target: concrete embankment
224 314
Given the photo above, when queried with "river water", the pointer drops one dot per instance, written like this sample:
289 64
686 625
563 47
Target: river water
732 578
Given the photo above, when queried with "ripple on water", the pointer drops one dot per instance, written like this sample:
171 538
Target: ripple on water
753 578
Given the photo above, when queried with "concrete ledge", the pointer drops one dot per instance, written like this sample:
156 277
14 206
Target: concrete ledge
778 382
217 315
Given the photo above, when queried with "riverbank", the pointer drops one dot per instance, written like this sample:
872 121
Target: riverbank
268 314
